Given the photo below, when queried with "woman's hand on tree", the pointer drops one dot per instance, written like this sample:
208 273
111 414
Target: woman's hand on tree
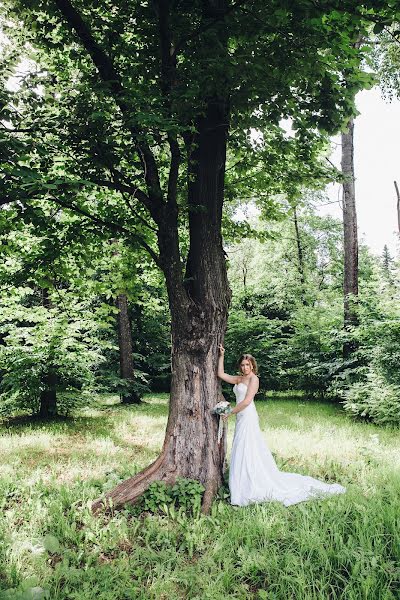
221 349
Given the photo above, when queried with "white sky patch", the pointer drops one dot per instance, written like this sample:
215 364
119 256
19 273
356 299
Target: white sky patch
377 166
287 126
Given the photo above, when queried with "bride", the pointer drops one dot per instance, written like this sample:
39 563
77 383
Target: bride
254 475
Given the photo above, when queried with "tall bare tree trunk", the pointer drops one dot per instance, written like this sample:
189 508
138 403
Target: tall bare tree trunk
125 349
350 277
300 256
398 204
48 395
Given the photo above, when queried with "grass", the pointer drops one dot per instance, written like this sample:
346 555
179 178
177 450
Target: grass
345 547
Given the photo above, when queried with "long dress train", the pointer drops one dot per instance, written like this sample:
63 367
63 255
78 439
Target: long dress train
254 475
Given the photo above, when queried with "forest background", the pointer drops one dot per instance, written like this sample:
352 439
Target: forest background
86 312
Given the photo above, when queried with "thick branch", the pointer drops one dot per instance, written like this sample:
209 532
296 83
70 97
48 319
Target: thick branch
102 61
125 189
136 214
111 77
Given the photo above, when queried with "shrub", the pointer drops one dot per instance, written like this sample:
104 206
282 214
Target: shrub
185 495
374 399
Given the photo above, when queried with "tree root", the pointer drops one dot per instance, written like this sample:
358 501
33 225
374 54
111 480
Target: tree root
208 496
131 489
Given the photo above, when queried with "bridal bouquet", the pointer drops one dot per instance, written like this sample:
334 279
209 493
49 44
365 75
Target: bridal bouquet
221 408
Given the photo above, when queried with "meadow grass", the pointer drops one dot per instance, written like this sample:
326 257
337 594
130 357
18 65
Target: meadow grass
345 547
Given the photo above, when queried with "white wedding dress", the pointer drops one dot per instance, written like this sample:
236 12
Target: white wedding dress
254 475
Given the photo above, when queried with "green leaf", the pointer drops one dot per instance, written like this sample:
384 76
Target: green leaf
378 28
51 544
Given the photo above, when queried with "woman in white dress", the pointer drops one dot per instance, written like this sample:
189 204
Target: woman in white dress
254 475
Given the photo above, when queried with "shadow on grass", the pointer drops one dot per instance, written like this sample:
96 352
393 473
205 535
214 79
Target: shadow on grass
99 419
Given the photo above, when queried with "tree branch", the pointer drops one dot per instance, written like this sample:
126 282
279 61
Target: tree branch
168 80
111 77
136 214
115 227
102 61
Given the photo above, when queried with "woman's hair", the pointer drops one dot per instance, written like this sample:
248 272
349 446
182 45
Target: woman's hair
250 358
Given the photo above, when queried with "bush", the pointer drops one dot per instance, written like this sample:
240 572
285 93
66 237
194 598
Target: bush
373 390
374 399
265 339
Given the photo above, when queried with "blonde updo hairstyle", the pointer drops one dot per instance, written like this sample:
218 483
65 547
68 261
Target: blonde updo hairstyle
251 359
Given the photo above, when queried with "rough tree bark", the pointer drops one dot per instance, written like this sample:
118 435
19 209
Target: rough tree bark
350 238
125 349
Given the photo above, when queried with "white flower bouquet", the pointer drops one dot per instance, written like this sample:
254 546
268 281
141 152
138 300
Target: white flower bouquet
221 408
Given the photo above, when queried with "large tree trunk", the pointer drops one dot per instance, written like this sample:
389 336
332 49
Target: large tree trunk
350 278
199 305
199 298
125 349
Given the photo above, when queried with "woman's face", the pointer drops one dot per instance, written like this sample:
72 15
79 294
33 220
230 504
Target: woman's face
246 367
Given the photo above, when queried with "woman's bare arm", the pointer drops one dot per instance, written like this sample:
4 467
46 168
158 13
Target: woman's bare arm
221 373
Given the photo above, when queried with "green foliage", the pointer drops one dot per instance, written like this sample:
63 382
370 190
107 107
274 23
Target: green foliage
80 122
291 324
374 389
27 591
74 339
40 342
184 496
374 399
292 321
263 337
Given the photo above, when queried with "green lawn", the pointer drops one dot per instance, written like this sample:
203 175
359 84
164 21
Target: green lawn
344 547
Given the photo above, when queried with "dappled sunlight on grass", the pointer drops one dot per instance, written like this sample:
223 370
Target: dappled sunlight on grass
102 439
305 437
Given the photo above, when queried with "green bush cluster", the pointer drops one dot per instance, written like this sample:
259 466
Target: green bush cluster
374 399
300 350
375 395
